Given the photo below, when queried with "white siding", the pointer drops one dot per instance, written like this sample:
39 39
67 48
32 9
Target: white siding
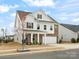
44 16
66 33
35 23
18 30
30 18
18 37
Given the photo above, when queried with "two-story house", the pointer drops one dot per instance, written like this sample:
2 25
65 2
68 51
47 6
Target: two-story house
35 27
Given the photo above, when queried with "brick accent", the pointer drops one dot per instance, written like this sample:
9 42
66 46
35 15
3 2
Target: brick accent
55 31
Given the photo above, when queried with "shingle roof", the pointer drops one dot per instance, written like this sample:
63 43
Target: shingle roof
52 19
22 14
74 28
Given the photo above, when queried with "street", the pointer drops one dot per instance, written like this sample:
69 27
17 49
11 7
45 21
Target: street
70 54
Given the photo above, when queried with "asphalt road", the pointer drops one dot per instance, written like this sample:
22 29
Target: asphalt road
70 54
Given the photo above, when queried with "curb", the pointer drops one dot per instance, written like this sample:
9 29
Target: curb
33 51
30 52
2 51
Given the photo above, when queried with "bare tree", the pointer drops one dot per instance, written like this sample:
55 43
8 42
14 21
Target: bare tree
3 32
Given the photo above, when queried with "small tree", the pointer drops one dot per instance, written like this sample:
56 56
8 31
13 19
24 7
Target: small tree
78 40
73 40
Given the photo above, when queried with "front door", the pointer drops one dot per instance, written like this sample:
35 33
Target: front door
28 39
34 38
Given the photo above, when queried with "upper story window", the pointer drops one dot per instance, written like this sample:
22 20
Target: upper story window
39 16
38 26
44 27
29 25
51 28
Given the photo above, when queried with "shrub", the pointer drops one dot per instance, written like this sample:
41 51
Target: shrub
0 40
35 41
5 41
8 40
60 41
40 43
73 40
78 39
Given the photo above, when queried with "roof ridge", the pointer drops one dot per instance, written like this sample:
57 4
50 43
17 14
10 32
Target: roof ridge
22 11
70 24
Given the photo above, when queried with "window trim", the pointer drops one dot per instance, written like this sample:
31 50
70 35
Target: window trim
39 16
45 27
51 27
29 25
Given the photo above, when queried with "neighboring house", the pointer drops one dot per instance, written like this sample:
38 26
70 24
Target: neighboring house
67 32
9 37
35 27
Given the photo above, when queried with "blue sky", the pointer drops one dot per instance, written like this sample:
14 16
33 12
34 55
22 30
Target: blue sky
63 11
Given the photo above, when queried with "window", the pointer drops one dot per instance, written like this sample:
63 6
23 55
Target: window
29 25
38 26
51 28
39 16
44 27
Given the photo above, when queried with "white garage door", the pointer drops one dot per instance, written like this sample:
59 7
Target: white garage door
49 40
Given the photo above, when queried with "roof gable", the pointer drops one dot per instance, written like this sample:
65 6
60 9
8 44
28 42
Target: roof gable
22 14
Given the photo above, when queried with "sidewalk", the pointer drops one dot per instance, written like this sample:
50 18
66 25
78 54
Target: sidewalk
31 50
67 46
37 48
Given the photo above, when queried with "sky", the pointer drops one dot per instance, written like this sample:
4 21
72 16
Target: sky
63 11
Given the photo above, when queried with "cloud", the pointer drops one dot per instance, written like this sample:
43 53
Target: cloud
71 5
40 3
65 17
68 4
65 14
62 16
11 25
76 20
74 14
14 6
6 8
10 28
1 20
13 14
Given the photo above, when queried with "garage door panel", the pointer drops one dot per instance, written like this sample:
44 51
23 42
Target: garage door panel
49 40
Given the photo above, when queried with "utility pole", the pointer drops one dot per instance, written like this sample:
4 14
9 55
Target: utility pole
2 34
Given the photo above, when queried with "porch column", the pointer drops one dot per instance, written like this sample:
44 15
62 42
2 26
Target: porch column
38 37
31 38
44 39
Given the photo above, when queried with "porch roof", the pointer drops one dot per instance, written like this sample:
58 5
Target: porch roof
34 30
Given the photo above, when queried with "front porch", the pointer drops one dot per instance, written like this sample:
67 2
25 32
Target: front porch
33 38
